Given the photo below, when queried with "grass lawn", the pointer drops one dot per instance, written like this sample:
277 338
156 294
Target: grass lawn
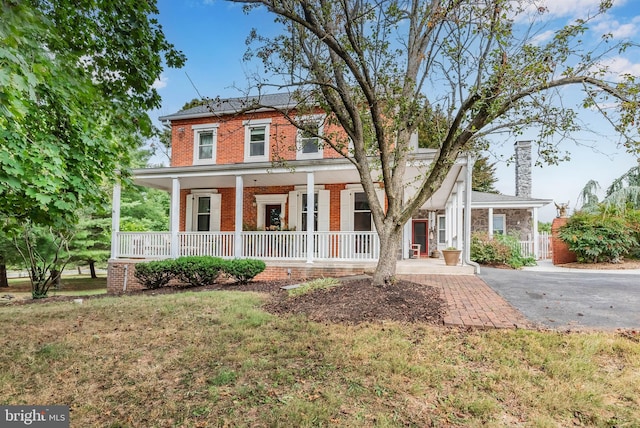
216 359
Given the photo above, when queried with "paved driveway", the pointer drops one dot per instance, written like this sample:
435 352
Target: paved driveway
570 300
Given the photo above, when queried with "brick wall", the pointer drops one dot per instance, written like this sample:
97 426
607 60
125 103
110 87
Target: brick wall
231 138
561 253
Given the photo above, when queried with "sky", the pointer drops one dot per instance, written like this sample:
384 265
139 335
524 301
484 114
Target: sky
212 35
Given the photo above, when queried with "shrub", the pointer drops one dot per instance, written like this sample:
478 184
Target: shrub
599 237
198 270
154 274
244 270
499 250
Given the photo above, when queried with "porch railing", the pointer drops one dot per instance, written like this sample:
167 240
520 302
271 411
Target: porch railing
349 246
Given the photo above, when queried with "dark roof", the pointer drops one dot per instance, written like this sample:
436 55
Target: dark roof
484 199
219 106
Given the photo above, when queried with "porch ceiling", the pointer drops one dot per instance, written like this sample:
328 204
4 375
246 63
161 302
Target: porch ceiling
326 171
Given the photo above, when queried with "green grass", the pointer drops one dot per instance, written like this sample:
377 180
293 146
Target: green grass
314 285
217 359
72 285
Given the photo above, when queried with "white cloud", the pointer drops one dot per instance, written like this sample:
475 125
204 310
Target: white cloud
619 66
617 29
161 82
543 37
554 9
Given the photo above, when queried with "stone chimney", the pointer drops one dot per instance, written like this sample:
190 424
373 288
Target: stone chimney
523 169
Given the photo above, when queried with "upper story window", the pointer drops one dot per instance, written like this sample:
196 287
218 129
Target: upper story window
205 138
309 144
256 140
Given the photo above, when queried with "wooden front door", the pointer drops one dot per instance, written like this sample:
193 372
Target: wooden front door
420 232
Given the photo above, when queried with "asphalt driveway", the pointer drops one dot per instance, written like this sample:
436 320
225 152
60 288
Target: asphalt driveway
577 299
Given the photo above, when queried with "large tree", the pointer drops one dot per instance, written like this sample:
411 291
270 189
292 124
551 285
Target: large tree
381 69
76 84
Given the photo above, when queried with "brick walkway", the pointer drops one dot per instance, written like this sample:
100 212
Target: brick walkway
472 303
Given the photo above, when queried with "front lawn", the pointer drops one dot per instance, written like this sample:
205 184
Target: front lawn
217 359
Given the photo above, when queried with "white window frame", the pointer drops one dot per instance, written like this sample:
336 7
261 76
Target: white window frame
504 224
197 131
296 209
319 154
441 227
191 218
248 126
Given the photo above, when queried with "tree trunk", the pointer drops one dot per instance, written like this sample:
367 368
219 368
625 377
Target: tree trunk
92 268
389 243
3 275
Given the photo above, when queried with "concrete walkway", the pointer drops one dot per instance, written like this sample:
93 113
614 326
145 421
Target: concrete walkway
471 302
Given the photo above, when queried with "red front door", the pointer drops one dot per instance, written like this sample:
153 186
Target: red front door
420 231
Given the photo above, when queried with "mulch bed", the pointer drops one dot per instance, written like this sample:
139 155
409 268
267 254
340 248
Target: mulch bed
355 301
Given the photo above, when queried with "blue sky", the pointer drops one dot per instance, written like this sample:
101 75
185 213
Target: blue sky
212 35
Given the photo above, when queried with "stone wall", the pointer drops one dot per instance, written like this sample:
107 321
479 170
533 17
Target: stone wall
516 220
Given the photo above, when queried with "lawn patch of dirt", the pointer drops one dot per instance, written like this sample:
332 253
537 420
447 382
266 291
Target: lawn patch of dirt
354 301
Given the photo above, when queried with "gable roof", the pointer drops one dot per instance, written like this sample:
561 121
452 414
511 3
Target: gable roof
494 200
221 106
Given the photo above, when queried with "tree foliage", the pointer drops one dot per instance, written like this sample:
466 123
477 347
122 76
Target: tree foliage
603 236
381 70
76 82
623 193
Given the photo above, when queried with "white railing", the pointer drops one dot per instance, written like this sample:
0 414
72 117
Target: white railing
144 244
360 246
216 244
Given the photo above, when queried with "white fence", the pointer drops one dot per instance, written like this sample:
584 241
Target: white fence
361 246
544 247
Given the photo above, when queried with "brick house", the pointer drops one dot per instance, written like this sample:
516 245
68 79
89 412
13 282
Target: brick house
253 185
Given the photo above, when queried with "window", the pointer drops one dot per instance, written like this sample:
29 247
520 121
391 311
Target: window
256 140
203 216
499 224
203 211
361 212
442 229
309 144
304 211
204 143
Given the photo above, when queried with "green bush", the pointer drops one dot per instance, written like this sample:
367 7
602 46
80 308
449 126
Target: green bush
600 237
198 270
154 274
244 270
499 250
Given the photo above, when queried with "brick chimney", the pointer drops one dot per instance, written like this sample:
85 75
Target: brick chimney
523 169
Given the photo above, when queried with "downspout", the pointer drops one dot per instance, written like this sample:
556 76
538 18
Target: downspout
466 253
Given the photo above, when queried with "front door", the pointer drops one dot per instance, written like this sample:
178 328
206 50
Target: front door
272 219
420 233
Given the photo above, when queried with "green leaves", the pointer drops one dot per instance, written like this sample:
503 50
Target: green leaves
75 84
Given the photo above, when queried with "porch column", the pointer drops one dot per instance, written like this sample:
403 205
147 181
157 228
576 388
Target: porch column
310 214
460 242
490 220
175 217
237 246
450 224
115 221
536 238
406 238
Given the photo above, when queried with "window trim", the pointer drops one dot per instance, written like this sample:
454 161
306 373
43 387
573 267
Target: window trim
319 120
197 131
248 126
504 224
